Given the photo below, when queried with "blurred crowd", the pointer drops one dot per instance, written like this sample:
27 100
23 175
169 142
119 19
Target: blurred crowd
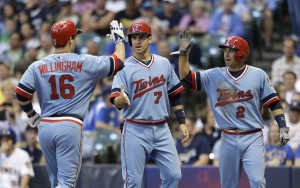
25 38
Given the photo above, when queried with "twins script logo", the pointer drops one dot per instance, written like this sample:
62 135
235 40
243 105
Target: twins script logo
230 96
143 86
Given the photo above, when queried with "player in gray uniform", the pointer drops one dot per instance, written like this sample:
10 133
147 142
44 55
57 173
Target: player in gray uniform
145 89
237 94
64 82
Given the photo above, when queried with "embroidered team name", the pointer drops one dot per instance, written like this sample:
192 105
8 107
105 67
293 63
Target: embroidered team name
228 96
61 66
143 86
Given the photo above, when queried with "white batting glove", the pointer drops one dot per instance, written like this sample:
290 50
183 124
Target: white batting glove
284 135
116 32
34 121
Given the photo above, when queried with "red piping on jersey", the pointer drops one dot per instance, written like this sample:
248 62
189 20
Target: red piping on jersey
238 132
274 99
148 66
23 93
236 79
178 90
80 159
193 86
61 120
116 64
124 150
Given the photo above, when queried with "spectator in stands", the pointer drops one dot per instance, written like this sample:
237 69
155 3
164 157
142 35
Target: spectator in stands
9 27
127 16
36 11
197 21
289 61
28 33
98 20
277 155
196 150
46 46
293 122
170 17
66 12
52 8
294 15
15 167
164 49
81 6
148 16
103 114
289 80
226 22
297 157
9 11
93 48
209 132
16 52
32 148
281 91
10 110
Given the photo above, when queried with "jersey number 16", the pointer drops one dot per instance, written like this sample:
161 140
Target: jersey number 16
67 90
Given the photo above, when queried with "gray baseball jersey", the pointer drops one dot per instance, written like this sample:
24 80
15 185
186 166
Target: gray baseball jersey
145 133
64 85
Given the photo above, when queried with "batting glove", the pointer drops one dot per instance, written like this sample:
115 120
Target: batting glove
185 42
284 135
34 121
116 32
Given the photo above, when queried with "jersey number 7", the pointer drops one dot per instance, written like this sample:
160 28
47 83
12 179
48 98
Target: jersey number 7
67 90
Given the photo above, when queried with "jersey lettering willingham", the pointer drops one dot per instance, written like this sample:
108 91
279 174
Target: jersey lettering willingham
236 102
58 78
148 87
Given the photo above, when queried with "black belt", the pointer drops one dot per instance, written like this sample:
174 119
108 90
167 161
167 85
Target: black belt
66 115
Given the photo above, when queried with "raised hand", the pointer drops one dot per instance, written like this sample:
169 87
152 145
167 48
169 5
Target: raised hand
124 95
116 32
185 42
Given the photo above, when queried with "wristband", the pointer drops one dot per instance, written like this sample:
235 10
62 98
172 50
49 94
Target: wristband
183 52
280 119
180 115
32 114
27 107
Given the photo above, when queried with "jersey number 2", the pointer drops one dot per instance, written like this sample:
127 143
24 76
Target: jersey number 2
240 112
63 87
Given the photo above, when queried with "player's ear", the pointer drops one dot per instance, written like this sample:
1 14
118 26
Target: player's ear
150 39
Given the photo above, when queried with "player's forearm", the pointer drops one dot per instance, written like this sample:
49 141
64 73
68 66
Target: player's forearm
24 181
184 67
26 106
120 51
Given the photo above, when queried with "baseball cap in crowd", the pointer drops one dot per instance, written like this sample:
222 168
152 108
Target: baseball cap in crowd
169 1
295 105
147 5
8 133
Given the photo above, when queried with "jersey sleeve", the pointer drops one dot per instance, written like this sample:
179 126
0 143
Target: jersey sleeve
196 81
26 167
120 78
174 85
104 66
268 92
26 86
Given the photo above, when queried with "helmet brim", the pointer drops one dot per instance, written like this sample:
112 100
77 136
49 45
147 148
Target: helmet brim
222 46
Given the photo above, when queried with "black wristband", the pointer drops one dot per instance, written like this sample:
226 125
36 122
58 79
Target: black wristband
180 115
32 114
183 52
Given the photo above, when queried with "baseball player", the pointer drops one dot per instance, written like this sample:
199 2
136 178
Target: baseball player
64 82
145 89
15 164
237 93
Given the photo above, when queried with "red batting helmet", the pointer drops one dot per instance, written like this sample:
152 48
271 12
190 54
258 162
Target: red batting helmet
138 27
239 44
62 31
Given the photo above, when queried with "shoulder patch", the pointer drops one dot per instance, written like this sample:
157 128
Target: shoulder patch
269 80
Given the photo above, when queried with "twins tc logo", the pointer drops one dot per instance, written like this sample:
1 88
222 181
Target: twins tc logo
143 86
230 96
136 28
